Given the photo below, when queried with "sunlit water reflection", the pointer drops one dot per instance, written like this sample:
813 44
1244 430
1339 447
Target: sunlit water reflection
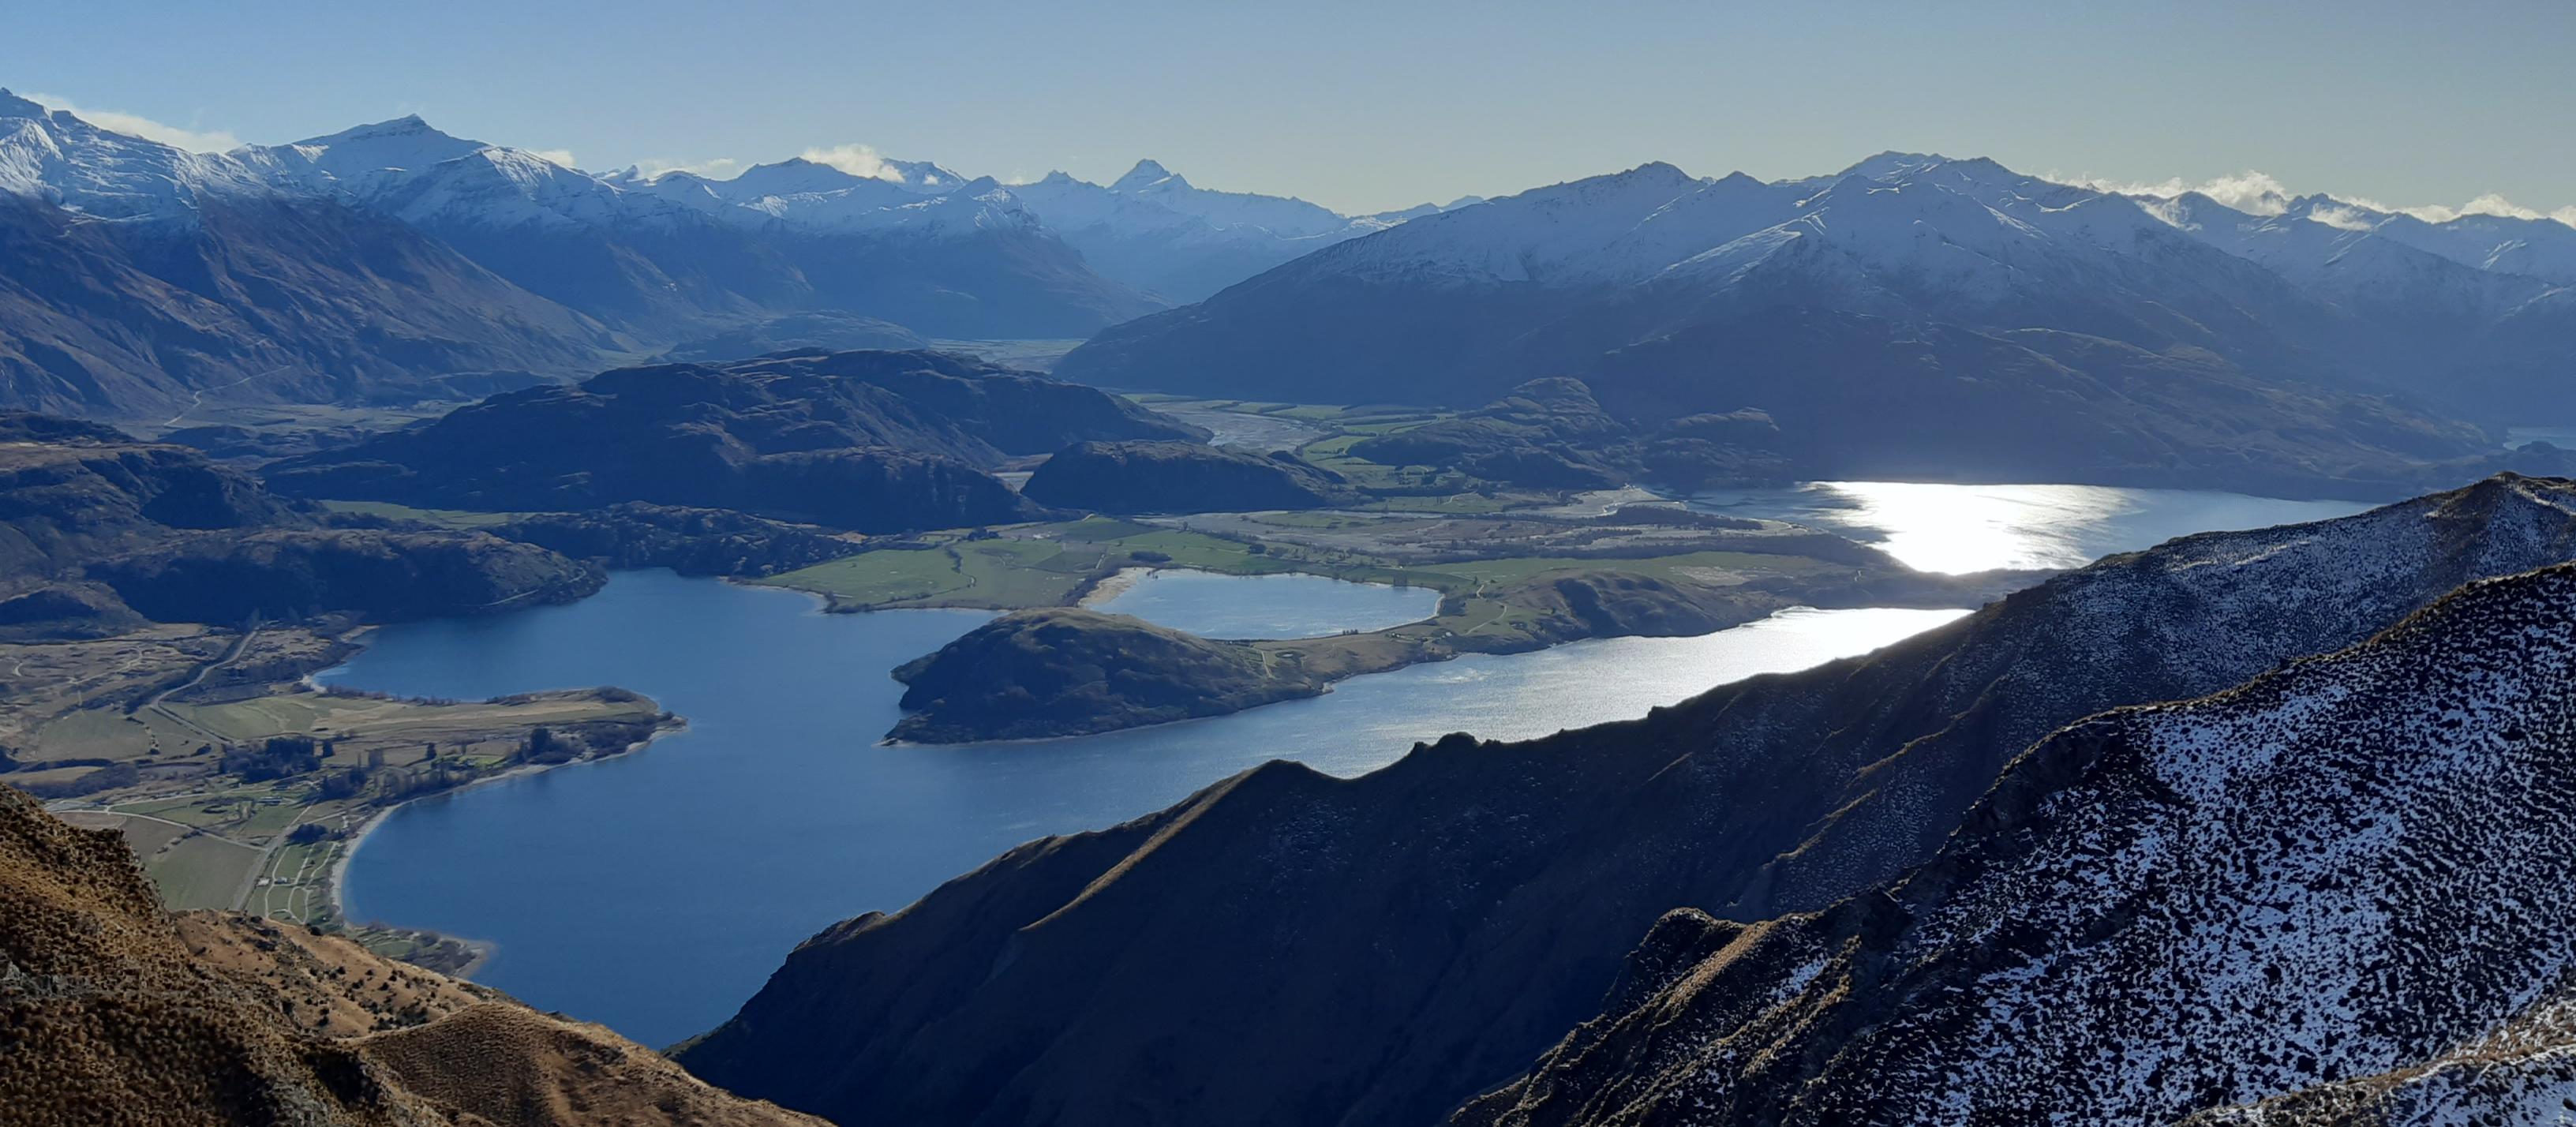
1963 528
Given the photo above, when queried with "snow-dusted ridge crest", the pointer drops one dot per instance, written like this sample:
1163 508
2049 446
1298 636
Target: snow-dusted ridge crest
2350 866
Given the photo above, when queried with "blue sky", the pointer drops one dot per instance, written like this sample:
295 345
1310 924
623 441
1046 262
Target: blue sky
1364 106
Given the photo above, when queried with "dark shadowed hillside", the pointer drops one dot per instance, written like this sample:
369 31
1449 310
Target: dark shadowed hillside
1182 477
1419 934
873 441
96 527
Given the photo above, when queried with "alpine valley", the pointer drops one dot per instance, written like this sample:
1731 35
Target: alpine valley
1942 645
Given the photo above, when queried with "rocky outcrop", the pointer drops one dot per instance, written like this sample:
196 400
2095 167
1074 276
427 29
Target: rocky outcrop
1182 477
1424 932
118 1013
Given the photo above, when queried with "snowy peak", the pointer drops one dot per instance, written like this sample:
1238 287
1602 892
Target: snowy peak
406 143
924 177
794 176
52 156
1146 174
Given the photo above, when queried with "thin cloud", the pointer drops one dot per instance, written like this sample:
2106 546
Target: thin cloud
2491 203
2249 191
715 168
559 156
137 125
2261 194
857 160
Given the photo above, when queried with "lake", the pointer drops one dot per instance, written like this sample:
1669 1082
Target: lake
654 892
1963 528
1265 606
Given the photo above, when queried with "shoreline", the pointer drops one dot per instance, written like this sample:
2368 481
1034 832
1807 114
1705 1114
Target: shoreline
1114 584
335 881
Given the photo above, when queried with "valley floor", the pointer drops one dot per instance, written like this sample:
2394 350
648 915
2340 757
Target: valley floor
157 735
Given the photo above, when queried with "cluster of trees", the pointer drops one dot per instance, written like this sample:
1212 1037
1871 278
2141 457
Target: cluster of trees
544 746
278 758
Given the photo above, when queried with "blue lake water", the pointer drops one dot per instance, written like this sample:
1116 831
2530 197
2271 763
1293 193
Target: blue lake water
656 891
1267 606
1963 528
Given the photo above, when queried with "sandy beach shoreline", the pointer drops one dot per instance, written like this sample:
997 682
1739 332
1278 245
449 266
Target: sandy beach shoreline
335 883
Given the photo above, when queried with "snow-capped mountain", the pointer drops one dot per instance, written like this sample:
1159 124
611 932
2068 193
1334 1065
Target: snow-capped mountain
1455 307
1157 231
502 245
674 252
143 279
54 158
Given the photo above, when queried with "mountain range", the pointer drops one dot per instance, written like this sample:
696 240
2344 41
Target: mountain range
2472 317
395 262
1287 947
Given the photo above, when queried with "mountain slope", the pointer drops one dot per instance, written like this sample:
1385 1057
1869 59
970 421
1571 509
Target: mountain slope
118 1013
1156 231
695 254
142 276
95 527
1416 935
2344 867
1453 309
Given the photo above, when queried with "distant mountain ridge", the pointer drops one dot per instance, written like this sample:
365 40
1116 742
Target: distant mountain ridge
392 261
1454 308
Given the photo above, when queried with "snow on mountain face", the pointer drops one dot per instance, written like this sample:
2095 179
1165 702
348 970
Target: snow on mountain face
2523 1071
409 170
1289 217
971 206
1569 231
799 177
360 155
2543 249
1154 229
2339 869
412 171
69 163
